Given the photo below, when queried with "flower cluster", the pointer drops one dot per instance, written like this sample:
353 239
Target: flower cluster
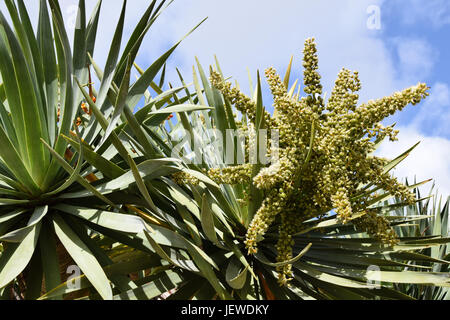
324 155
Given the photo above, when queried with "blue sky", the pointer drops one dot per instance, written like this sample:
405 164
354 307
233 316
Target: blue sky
409 46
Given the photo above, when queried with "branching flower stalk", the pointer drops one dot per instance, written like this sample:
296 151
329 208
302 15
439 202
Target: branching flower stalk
309 180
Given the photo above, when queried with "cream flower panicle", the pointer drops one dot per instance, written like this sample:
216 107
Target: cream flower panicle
306 183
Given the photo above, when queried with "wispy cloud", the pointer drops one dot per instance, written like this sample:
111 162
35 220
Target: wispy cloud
416 58
434 116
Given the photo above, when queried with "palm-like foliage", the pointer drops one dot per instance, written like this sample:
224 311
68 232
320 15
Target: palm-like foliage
54 187
436 223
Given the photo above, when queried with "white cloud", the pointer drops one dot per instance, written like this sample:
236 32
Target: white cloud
258 34
429 160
